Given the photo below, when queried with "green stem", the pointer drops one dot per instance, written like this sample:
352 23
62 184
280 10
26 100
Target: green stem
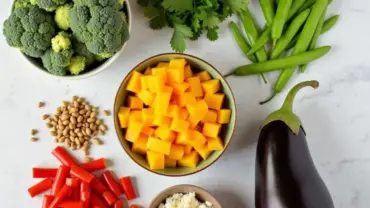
285 113
269 99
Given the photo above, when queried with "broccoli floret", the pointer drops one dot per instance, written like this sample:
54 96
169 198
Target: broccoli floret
99 24
121 3
81 50
48 5
62 16
30 30
103 56
77 65
22 3
49 64
61 42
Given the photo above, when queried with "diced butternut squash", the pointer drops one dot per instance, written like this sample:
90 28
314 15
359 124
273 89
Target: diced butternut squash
158 145
196 138
188 72
211 86
165 134
155 160
177 152
195 86
133 130
177 63
190 160
168 163
134 84
179 125
163 65
211 116
147 116
155 83
123 116
134 102
183 114
203 151
146 97
163 121
175 75
197 127
183 139
193 121
215 144
173 111
187 149
211 129
186 98
160 72
203 76
149 131
224 116
148 71
162 101
135 115
139 146
144 82
179 88
197 112
215 101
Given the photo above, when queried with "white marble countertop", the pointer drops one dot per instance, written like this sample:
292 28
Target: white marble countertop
335 116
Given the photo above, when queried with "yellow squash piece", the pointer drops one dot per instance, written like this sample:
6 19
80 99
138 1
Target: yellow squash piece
203 151
155 160
160 72
190 160
163 65
139 146
165 133
175 75
215 101
179 125
177 152
211 129
196 138
144 82
134 102
188 72
155 83
203 76
133 130
183 114
134 84
123 116
195 86
147 116
214 144
135 115
211 116
162 101
185 98
179 88
162 121
158 145
224 116
187 149
211 86
148 71
183 139
149 131
146 97
173 111
168 163
177 63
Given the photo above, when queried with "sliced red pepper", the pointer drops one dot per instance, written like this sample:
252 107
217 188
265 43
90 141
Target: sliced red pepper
71 204
40 187
85 187
85 197
44 172
128 188
46 201
62 194
109 197
60 179
63 156
135 206
112 184
94 165
74 183
98 186
81 174
118 204
97 201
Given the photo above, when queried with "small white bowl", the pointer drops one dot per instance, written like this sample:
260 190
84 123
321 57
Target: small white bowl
91 72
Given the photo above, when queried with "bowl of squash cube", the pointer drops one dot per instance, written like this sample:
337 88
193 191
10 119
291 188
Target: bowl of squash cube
174 114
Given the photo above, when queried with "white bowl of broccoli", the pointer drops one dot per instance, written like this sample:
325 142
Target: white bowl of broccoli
69 39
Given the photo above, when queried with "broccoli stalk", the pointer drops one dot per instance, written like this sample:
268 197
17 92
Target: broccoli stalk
62 16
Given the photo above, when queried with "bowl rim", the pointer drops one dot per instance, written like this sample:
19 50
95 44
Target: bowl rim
174 54
196 190
94 71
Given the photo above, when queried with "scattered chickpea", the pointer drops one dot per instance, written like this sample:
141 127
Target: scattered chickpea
41 104
33 139
33 132
97 141
106 112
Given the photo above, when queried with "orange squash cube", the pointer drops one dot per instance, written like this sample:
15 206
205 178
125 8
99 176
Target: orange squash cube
168 163
163 121
211 86
158 145
149 131
195 86
146 97
183 139
155 83
179 88
160 72
190 160
162 101
214 101
134 102
134 84
186 98
133 130
211 116
177 63
188 72
139 146
163 65
183 114
187 149
197 112
148 71
224 116
147 116
165 134
144 82
177 152
179 125
215 144
173 111
211 129
155 160
203 151
204 76
123 116
193 121
135 115
175 75
196 138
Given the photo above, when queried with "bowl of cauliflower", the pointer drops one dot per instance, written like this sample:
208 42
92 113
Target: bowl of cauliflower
69 39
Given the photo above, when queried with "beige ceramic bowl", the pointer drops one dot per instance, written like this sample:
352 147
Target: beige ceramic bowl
201 194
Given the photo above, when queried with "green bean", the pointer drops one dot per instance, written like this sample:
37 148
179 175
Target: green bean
284 62
268 10
303 42
242 42
306 5
265 37
289 34
280 19
297 4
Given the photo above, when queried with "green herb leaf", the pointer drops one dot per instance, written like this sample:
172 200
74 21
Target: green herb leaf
151 12
178 5
158 22
212 34
211 21
236 5
178 43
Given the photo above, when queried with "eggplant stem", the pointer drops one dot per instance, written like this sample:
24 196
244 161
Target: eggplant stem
289 100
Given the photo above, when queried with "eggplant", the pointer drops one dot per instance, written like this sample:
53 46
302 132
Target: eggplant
285 172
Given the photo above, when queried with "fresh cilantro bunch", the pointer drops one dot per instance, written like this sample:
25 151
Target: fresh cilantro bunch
190 18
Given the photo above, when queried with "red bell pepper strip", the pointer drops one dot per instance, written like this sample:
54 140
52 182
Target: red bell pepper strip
118 204
85 187
113 185
74 183
109 197
81 174
98 186
71 204
128 188
46 201
44 172
62 194
85 198
40 187
94 165
135 206
60 179
96 201
63 157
